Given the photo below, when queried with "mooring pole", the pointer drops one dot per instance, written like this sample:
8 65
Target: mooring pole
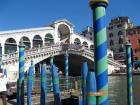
100 46
43 100
67 69
56 88
91 88
84 78
29 84
51 64
129 75
20 86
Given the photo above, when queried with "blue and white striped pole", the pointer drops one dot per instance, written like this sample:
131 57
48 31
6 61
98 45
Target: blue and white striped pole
20 86
129 75
67 70
43 100
29 84
91 88
55 77
84 78
51 64
100 46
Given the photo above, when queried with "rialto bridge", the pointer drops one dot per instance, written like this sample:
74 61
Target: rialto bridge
56 40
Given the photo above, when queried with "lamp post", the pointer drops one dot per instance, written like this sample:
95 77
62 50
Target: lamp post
100 45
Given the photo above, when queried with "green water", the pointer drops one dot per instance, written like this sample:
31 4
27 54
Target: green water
118 90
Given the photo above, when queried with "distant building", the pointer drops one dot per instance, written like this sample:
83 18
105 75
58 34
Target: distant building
88 33
117 36
133 35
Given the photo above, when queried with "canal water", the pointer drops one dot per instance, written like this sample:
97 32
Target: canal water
118 90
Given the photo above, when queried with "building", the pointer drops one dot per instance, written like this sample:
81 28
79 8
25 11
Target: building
133 35
117 36
88 33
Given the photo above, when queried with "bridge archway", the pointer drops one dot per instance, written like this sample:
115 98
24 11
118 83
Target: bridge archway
10 46
77 41
85 44
64 33
37 41
26 42
49 39
75 63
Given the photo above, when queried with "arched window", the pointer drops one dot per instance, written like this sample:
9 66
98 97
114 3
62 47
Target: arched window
111 35
85 44
121 49
120 33
49 39
111 43
26 42
120 41
77 41
10 46
91 47
37 41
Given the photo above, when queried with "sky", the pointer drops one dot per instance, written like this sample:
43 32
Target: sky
21 14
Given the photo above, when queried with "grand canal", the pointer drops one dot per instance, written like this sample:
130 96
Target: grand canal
118 90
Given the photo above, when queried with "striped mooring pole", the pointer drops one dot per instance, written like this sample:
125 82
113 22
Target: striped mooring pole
67 69
129 75
0 55
91 88
100 46
20 85
29 83
84 78
56 88
43 100
51 64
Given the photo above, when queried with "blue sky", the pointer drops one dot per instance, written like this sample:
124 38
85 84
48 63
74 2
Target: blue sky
20 14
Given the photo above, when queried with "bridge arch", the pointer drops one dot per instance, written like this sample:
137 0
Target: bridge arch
49 39
85 44
64 33
77 41
26 42
10 46
37 41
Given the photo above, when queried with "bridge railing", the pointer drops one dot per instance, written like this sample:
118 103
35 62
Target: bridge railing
57 47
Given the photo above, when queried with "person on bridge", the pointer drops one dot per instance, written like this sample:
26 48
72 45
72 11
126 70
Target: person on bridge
3 86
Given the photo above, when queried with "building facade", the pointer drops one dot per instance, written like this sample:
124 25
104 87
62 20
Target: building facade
133 35
117 36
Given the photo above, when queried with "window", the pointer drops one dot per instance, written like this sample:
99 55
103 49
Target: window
90 38
138 41
111 43
120 33
120 41
111 35
136 58
120 25
121 49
